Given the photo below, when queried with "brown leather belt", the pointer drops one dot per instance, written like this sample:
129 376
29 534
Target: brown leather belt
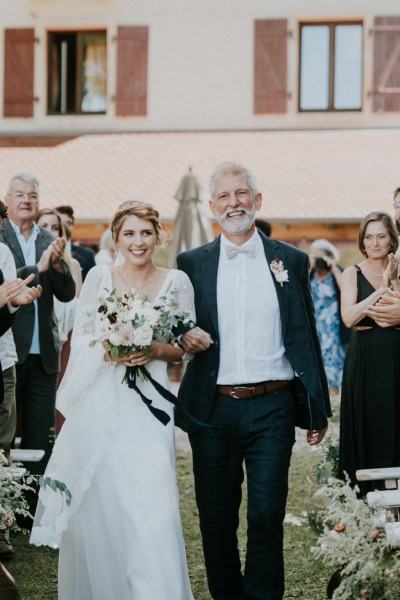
249 391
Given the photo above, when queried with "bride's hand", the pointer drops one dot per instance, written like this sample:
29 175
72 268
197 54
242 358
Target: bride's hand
134 359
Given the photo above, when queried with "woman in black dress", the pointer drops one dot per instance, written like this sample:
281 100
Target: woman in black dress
370 407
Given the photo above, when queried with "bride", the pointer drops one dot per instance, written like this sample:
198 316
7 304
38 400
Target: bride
121 535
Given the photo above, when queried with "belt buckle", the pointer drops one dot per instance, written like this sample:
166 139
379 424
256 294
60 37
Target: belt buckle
240 387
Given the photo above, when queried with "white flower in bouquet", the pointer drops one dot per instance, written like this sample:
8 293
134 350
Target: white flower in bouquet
103 331
114 338
143 335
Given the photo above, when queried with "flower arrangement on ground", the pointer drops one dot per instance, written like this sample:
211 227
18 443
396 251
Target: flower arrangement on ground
13 485
356 546
12 500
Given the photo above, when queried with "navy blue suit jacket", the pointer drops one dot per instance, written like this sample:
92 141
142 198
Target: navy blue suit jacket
299 333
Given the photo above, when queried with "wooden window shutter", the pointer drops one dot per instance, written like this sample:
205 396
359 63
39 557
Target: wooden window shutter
132 58
386 74
18 72
270 66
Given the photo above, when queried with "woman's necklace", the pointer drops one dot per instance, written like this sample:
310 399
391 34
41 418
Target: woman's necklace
134 285
377 274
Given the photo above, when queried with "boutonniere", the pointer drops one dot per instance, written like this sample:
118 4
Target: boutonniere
280 273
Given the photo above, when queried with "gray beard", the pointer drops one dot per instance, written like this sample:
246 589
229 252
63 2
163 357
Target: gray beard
238 228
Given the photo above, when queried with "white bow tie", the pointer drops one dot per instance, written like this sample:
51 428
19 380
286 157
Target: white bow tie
232 251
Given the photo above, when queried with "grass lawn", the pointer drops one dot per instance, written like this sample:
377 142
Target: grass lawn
35 569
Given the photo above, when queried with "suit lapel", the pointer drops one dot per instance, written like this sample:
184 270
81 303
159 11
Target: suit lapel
275 251
209 267
11 240
40 244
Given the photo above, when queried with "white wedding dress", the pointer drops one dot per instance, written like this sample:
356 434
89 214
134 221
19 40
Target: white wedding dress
121 536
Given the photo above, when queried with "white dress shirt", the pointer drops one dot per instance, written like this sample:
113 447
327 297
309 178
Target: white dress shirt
249 321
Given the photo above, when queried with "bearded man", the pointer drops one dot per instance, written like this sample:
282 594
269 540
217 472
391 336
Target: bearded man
255 330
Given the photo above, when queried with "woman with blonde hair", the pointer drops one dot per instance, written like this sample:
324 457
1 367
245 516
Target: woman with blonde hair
370 406
121 535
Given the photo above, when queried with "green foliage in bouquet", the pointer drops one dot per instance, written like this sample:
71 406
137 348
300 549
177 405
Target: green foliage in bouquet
356 546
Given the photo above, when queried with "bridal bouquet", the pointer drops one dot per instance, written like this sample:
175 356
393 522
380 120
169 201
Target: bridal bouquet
129 323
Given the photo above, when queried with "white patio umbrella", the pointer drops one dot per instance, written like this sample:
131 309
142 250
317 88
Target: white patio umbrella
191 226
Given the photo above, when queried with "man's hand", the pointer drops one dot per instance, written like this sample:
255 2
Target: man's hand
17 291
386 312
58 247
44 261
315 436
196 340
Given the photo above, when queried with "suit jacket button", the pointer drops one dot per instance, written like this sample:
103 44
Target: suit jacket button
215 344
212 373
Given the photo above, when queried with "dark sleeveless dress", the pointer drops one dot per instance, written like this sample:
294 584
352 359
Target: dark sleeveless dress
370 405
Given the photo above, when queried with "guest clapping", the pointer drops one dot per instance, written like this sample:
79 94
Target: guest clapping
370 405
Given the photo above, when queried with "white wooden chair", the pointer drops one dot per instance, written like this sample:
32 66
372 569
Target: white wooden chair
387 501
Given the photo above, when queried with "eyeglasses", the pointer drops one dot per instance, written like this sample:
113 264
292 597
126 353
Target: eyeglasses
32 197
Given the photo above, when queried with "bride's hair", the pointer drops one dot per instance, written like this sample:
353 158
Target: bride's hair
142 211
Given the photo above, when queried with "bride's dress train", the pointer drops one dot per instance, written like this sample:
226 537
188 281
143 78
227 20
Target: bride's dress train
121 537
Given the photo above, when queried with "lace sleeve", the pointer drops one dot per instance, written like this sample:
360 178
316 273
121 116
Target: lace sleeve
88 303
185 295
86 359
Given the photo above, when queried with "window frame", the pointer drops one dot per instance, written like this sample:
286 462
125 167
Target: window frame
331 76
80 33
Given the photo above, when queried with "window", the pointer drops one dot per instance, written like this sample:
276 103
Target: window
330 66
77 67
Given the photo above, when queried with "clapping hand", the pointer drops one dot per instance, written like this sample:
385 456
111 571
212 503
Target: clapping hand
386 312
52 255
17 291
391 274
57 253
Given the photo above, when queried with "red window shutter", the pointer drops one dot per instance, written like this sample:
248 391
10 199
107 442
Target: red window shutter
386 74
132 58
270 66
18 72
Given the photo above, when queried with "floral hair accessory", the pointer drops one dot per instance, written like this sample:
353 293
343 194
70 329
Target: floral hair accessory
280 273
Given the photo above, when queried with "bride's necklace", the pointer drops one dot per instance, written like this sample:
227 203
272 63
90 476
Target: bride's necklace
134 285
377 274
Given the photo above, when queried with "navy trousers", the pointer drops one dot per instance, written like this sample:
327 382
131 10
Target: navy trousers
36 395
258 433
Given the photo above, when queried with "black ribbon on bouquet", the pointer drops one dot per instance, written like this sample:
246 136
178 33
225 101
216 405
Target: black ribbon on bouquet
131 375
